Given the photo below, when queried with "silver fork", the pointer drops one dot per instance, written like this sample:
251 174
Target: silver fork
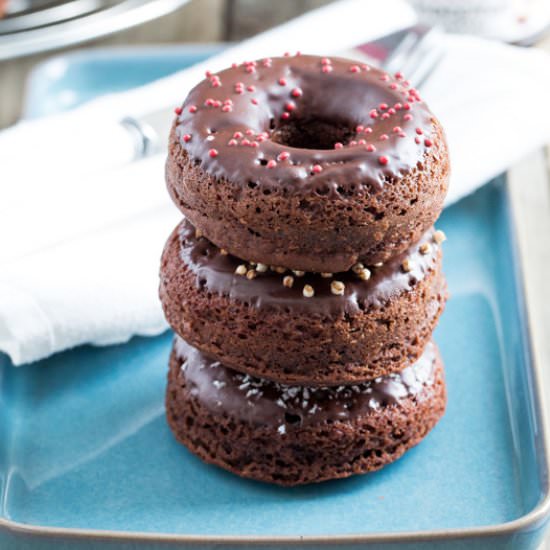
415 51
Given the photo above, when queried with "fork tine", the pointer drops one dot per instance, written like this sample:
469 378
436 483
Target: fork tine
395 61
423 57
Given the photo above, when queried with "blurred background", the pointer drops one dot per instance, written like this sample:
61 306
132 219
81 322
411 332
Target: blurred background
34 30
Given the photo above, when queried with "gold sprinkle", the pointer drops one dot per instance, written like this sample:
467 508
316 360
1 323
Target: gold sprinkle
357 267
364 274
241 270
406 265
425 248
223 252
261 268
308 291
337 287
439 236
253 264
198 233
250 274
280 269
299 273
288 281
379 264
326 275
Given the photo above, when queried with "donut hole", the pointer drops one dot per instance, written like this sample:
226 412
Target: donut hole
292 418
312 133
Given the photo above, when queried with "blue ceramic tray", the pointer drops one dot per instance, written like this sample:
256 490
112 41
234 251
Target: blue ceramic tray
87 461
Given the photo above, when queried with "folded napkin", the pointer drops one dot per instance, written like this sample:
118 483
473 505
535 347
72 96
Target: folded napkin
79 254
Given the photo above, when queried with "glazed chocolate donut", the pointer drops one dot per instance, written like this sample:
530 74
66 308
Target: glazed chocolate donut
309 163
258 320
291 435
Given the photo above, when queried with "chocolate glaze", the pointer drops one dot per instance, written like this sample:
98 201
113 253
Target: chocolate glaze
216 273
339 98
260 402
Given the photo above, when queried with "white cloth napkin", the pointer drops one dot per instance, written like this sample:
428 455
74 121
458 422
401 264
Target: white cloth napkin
79 255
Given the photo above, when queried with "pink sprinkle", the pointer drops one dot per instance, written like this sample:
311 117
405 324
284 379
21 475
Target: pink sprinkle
367 130
402 134
417 139
406 106
353 143
384 137
251 88
325 61
232 142
327 69
383 106
391 111
393 86
419 131
296 92
254 101
234 65
271 164
371 148
249 132
385 116
355 69
385 77
398 106
359 128
193 109
209 102
338 145
383 160
365 67
428 142
178 111
317 168
290 106
216 84
217 103
284 155
238 135
407 117
286 54
250 69
285 116
245 142
362 142
213 153
373 113
282 81
399 75
396 130
187 138
208 74
254 144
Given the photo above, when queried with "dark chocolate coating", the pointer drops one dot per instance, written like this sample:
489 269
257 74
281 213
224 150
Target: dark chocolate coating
263 328
322 208
293 434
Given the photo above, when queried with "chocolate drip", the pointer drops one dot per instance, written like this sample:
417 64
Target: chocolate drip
260 402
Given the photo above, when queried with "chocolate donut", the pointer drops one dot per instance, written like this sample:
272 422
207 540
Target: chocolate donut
349 331
291 435
310 163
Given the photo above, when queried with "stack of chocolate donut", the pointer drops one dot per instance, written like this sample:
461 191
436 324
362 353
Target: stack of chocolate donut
305 281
